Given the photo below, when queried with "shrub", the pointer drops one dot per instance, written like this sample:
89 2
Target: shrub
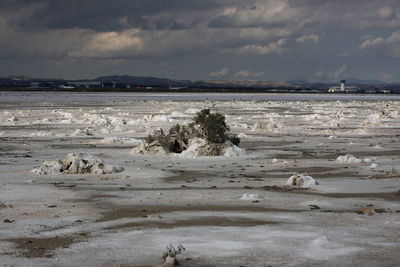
214 127
206 125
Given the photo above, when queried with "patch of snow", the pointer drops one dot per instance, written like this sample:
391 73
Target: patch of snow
234 151
41 134
373 166
192 110
117 140
251 197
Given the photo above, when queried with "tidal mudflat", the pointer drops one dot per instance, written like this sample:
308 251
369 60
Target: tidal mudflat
232 210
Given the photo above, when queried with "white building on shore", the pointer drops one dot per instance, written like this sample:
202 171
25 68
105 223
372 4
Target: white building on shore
343 88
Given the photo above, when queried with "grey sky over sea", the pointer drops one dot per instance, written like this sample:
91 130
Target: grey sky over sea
316 40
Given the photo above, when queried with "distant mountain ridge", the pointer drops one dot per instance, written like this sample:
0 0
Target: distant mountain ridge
165 82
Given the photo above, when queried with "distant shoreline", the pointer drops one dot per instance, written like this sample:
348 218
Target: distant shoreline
180 90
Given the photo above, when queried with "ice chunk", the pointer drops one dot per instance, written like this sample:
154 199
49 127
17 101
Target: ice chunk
373 166
348 159
251 197
77 163
117 140
79 132
192 110
302 181
232 151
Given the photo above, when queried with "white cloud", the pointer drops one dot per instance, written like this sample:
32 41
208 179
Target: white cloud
371 43
220 73
311 37
390 44
115 41
273 47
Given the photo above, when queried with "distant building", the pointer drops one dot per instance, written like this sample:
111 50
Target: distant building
109 85
5 82
343 88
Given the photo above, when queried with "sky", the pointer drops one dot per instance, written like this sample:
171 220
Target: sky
276 40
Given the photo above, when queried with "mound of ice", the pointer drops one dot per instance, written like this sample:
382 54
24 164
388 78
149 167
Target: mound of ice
79 132
271 126
192 110
104 131
117 140
373 166
279 162
41 134
66 115
111 140
374 120
348 159
234 151
243 136
199 147
320 240
77 163
97 119
238 125
251 197
12 119
312 117
302 181
177 114
151 149
159 118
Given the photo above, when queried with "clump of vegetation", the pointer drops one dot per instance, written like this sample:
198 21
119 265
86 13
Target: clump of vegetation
206 125
170 253
214 127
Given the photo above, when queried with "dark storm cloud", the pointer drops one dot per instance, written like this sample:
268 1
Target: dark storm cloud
104 15
263 39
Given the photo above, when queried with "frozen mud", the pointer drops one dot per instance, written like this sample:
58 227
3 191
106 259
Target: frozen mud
340 206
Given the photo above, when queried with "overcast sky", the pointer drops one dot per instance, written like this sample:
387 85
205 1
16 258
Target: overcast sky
317 40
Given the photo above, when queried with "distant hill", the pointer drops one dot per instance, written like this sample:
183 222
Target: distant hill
138 80
164 82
